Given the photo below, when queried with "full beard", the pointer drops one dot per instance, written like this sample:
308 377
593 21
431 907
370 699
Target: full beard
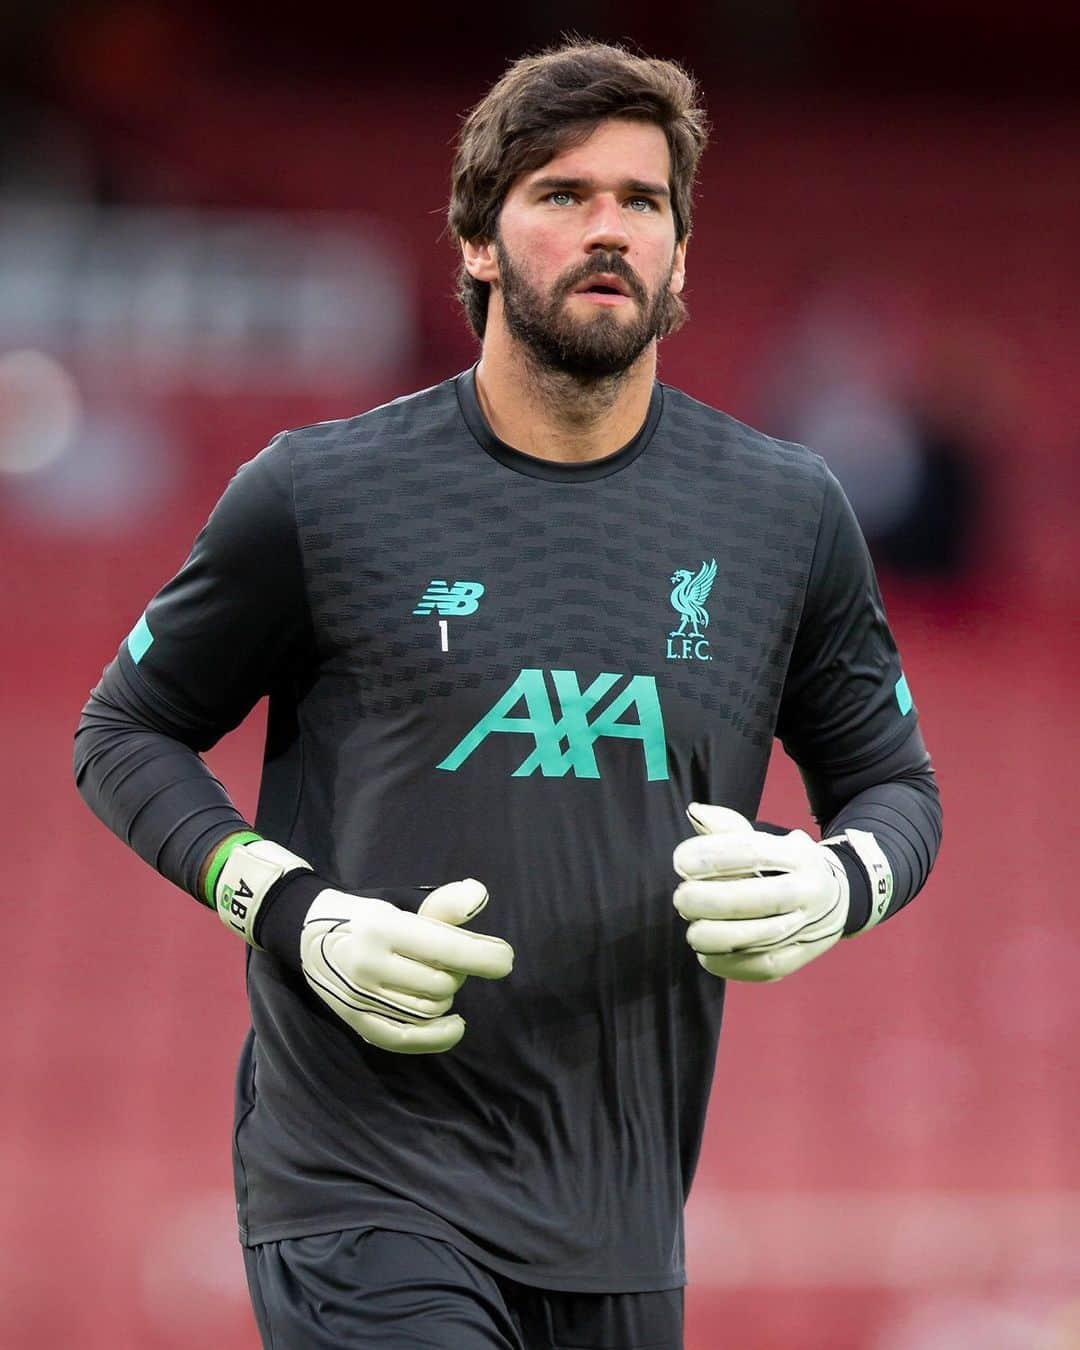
593 349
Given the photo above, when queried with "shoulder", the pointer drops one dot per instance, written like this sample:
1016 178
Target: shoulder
367 446
744 446
326 456
378 429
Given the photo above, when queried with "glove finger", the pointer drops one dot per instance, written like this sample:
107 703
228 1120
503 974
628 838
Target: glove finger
715 855
741 897
457 902
712 856
708 819
431 1038
411 988
382 996
721 855
336 989
416 1007
753 967
403 975
764 967
455 949
711 936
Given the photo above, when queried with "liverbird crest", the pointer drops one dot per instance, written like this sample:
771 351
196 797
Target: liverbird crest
688 599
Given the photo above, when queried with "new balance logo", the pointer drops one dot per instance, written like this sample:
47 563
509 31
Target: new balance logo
565 744
460 598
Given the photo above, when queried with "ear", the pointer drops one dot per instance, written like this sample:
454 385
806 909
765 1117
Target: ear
480 259
678 272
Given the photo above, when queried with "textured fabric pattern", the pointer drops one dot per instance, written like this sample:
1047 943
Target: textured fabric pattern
568 565
540 724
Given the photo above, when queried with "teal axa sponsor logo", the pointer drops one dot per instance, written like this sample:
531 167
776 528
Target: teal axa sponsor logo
462 597
688 642
624 707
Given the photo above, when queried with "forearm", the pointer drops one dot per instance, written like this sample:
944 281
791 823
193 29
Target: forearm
150 788
897 801
154 792
904 816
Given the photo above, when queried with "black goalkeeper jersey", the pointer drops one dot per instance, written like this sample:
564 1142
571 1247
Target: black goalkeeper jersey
484 664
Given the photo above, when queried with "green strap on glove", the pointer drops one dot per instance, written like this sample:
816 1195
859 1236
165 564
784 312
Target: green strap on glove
389 974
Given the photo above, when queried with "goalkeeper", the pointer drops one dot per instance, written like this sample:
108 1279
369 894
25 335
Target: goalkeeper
477 1127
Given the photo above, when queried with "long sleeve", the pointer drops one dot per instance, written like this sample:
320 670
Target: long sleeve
226 630
849 721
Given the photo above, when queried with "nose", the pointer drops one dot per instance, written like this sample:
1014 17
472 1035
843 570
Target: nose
606 230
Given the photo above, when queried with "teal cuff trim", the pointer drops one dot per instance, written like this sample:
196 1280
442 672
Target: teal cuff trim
139 640
904 700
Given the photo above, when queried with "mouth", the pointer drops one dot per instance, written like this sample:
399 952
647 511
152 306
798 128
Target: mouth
604 288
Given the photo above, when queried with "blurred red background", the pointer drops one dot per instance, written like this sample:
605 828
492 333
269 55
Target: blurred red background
890 1159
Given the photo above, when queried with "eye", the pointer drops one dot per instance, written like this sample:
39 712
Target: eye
560 198
641 204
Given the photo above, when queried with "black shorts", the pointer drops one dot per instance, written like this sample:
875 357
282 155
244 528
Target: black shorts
376 1289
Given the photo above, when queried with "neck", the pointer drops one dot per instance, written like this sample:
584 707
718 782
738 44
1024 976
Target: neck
556 416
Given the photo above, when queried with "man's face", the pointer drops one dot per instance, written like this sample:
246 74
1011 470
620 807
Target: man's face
586 263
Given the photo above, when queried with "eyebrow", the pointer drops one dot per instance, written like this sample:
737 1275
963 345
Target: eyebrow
560 184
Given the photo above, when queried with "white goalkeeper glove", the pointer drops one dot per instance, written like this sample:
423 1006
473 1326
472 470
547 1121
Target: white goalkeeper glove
390 974
763 905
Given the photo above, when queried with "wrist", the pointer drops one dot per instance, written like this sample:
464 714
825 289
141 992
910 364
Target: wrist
242 873
870 879
215 861
281 916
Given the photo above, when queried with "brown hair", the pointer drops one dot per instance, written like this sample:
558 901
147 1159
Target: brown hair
544 104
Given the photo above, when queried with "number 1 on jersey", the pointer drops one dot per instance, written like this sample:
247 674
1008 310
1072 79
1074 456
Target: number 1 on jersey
444 636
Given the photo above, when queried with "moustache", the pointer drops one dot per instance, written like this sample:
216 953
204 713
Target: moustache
615 266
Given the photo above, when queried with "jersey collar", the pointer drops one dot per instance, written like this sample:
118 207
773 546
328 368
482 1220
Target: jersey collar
536 467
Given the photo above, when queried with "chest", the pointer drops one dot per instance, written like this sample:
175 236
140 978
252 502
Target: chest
543 629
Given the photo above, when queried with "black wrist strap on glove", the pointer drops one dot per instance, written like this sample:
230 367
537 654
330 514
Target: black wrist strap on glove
859 888
282 913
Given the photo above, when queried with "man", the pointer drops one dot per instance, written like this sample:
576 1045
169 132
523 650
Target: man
515 627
